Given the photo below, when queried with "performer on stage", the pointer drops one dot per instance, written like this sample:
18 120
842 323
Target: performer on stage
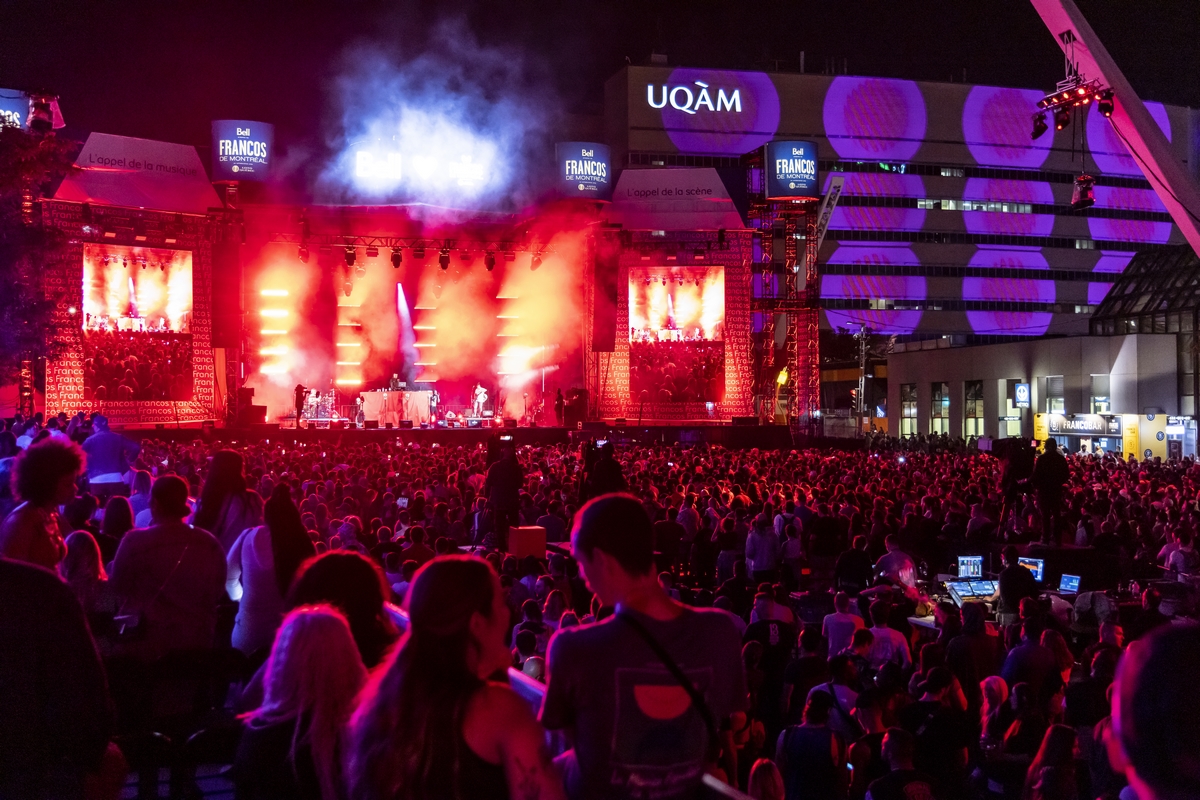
480 397
300 395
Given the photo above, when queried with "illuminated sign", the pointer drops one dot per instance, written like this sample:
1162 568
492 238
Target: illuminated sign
1022 396
791 170
1084 424
14 106
584 170
694 98
241 150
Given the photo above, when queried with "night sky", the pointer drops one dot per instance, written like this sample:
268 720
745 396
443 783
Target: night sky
163 69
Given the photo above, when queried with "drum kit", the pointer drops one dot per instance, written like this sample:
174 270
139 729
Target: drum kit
320 405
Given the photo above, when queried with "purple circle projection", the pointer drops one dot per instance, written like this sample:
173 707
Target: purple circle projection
996 124
1010 223
1019 290
1129 230
873 287
869 287
1114 262
700 114
879 184
1009 257
1128 199
1105 146
874 118
1097 292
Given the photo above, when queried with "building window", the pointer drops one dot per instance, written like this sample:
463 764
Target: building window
1055 402
1100 401
973 409
908 409
939 411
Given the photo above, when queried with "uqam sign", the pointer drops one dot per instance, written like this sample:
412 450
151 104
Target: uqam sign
714 111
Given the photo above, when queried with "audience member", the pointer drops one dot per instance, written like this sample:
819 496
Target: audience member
430 723
291 746
43 479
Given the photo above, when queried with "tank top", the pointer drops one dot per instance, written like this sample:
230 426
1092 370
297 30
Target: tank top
479 779
811 773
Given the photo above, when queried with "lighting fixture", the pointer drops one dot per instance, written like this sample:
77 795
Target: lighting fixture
397 258
372 252
360 271
489 261
418 253
535 262
350 256
1039 126
1062 118
444 259
303 254
1083 195
348 287
1105 103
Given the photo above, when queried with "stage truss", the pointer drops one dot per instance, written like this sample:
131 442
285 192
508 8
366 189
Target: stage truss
607 374
62 281
787 293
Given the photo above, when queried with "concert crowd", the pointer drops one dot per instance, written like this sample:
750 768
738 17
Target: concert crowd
341 619
681 372
126 366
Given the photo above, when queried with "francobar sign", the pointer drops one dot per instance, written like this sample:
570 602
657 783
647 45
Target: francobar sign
584 170
241 150
791 170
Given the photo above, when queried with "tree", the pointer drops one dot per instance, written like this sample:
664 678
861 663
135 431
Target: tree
29 166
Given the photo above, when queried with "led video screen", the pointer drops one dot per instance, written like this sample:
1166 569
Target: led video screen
137 318
676 334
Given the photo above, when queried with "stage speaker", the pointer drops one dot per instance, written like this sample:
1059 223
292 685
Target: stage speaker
604 280
389 426
745 421
252 415
509 422
227 289
372 424
406 424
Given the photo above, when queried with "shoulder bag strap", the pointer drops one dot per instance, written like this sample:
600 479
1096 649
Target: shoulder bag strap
676 672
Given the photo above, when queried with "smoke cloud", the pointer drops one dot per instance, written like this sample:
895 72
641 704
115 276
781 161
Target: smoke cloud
445 123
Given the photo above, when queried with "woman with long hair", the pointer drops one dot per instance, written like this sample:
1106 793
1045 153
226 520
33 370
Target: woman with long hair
766 783
429 723
140 498
1051 776
82 570
260 568
117 521
291 746
226 506
995 715
1056 644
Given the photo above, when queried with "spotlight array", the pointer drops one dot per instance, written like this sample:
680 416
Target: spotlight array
1071 93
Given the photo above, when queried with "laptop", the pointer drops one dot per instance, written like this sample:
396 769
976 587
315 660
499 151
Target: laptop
1069 584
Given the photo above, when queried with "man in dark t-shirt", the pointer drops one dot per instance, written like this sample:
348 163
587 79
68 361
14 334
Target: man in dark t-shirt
903 782
1016 583
638 733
